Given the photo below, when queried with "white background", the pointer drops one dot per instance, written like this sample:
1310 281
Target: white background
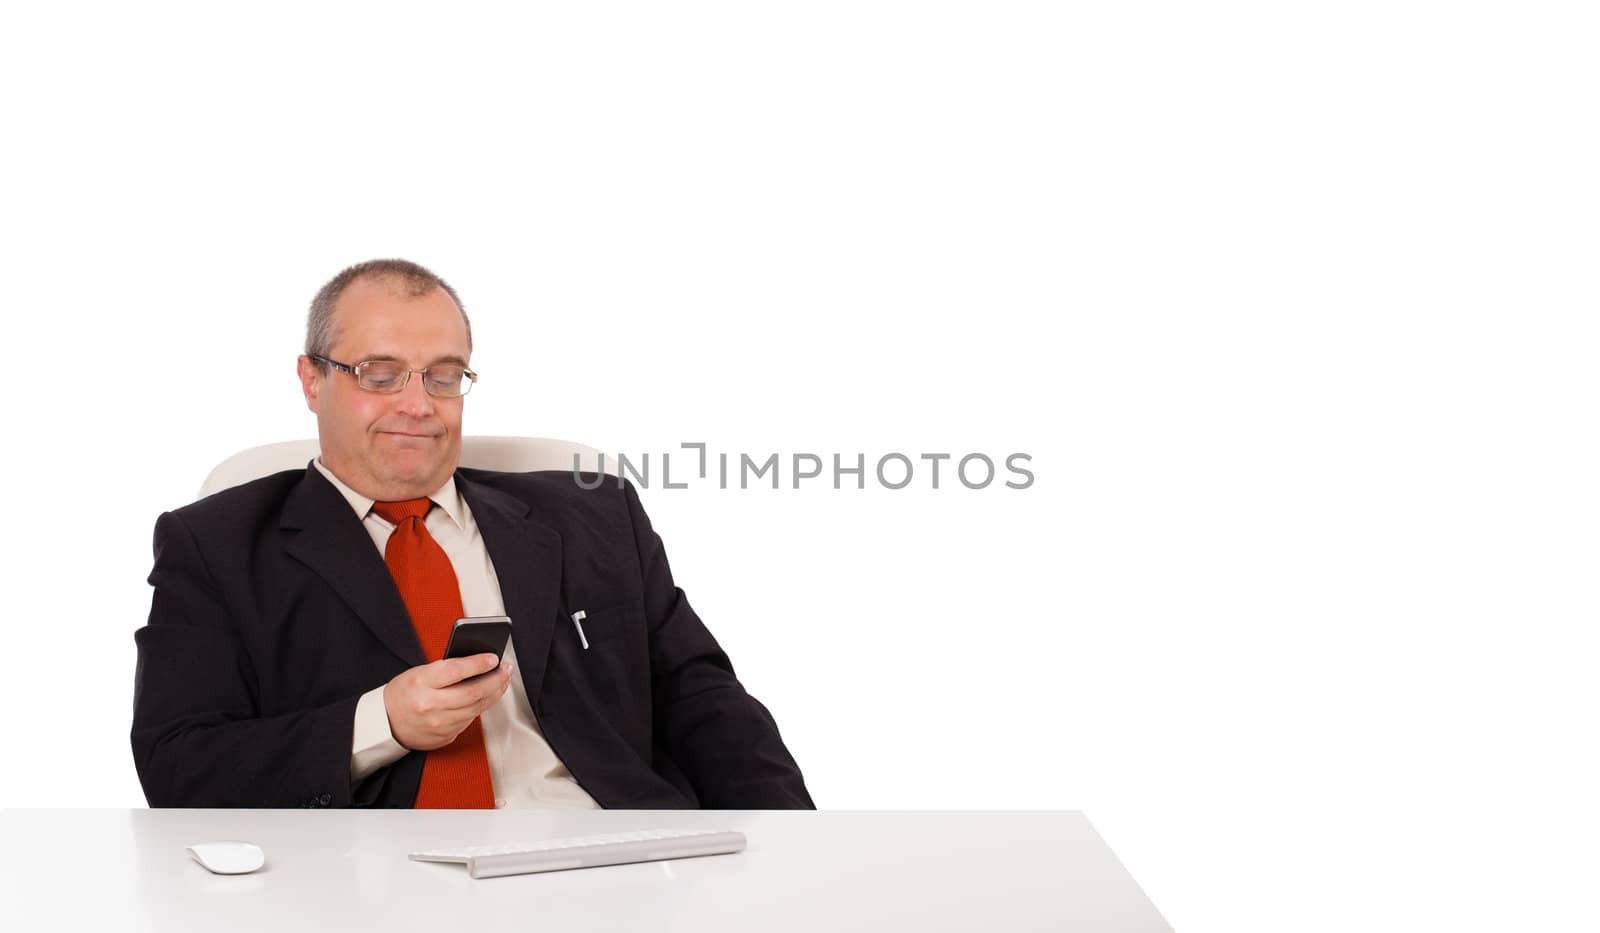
1293 306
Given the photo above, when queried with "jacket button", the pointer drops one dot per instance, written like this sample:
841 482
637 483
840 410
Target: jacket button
324 799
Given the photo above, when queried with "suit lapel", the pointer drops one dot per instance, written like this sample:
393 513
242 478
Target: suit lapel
527 561
328 538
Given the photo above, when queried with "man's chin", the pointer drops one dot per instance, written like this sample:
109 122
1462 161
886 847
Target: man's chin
409 473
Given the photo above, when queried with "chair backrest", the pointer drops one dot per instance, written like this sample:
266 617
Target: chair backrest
507 454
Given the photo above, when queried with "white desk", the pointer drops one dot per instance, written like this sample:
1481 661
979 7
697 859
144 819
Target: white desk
341 869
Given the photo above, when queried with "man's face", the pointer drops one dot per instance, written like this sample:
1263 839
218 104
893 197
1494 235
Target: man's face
398 446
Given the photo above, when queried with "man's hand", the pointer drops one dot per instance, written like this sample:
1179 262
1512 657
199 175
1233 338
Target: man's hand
428 706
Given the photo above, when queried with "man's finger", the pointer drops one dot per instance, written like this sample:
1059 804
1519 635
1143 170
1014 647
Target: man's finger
468 695
454 670
496 692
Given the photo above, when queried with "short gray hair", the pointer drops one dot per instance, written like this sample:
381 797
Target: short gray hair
414 280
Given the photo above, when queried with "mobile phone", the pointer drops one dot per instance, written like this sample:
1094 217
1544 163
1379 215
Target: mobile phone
478 635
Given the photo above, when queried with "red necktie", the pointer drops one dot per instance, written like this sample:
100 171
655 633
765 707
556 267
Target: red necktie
457 775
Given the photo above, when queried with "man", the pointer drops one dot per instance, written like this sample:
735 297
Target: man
293 656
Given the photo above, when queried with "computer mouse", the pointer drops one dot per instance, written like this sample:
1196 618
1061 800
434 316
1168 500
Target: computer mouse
229 857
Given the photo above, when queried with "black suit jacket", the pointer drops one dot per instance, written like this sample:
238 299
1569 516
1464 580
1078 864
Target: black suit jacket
273 613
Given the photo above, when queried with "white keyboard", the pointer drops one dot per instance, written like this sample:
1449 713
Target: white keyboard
586 851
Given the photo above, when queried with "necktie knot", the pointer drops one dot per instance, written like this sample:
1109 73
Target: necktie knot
397 512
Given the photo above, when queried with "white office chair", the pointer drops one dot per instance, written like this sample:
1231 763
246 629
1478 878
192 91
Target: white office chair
508 454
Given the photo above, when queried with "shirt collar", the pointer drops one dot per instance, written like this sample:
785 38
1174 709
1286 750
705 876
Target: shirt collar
445 497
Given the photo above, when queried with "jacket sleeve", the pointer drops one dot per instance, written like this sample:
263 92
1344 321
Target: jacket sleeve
723 739
198 737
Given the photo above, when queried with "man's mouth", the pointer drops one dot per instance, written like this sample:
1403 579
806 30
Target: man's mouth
418 435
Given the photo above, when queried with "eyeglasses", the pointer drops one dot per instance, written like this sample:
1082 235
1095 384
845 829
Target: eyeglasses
442 380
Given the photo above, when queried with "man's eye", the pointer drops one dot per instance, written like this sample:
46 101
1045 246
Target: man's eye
380 378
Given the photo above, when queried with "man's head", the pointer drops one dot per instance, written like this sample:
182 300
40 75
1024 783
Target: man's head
395 446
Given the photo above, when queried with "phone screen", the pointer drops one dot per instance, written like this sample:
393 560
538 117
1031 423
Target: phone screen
479 635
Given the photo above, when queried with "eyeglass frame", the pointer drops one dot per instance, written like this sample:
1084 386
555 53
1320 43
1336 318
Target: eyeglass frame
355 370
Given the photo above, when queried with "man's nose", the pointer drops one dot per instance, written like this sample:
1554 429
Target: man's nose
413 400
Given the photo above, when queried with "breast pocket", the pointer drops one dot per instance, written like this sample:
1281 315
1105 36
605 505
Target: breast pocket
605 624
611 675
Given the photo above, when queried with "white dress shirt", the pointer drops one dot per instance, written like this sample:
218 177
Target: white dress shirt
523 767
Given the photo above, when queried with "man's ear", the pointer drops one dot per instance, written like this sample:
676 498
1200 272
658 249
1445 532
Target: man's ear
310 380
